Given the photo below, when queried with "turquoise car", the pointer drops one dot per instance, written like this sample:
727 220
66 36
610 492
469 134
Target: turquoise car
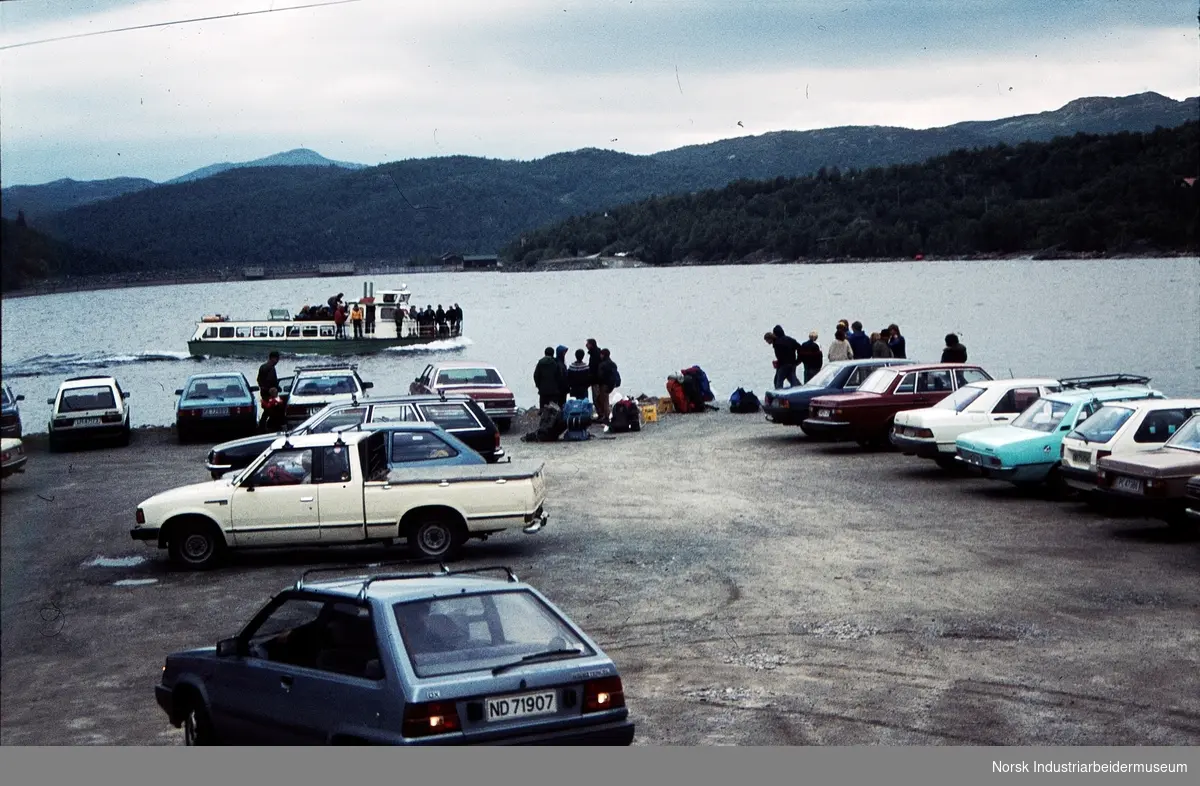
1027 450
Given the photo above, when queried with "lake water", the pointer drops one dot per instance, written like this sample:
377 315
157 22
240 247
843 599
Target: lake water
1053 318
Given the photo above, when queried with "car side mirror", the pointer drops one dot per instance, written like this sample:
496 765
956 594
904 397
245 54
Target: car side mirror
179 392
50 401
125 394
20 398
368 385
228 648
254 388
1065 428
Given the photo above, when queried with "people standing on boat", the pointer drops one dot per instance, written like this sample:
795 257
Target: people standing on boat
456 320
896 342
335 301
955 351
839 348
339 321
356 319
398 316
787 350
811 356
439 317
860 342
369 321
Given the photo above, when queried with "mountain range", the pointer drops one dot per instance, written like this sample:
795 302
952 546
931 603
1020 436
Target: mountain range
299 207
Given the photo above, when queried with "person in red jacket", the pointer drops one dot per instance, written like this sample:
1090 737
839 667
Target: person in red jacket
339 320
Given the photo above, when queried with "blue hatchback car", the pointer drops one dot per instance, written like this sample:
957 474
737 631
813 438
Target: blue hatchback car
443 658
10 412
789 406
220 401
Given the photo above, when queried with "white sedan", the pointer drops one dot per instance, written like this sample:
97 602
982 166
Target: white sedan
930 433
12 457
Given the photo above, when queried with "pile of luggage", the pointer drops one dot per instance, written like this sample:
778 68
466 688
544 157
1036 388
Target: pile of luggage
689 390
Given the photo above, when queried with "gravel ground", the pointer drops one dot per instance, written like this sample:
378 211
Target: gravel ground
754 587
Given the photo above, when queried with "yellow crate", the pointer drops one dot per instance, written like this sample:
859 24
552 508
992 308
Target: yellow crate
665 405
650 413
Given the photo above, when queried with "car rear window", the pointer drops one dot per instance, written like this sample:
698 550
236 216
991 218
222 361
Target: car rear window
1044 415
215 388
84 399
450 416
325 385
1188 435
463 633
419 446
878 382
960 399
469 376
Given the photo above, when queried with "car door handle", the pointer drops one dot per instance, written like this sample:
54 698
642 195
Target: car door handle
306 499
285 682
1001 417
444 484
501 480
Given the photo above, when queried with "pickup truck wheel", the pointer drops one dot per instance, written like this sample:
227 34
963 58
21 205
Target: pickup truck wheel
436 538
195 545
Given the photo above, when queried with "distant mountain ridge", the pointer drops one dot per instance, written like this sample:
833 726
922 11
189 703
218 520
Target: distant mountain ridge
292 214
300 156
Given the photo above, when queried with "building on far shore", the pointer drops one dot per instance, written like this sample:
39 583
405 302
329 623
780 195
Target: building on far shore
472 261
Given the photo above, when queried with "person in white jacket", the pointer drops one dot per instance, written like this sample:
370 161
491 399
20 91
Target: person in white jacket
839 348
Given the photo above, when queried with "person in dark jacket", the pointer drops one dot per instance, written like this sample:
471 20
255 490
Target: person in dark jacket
860 342
545 377
896 342
787 351
579 376
560 360
609 380
879 345
593 352
954 351
811 356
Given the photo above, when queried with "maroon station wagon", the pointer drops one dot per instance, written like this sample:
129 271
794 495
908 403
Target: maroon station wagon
866 415
480 381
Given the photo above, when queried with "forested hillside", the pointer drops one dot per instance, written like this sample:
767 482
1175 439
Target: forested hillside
1119 193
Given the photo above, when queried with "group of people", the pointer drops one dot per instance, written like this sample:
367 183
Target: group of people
597 375
850 342
443 322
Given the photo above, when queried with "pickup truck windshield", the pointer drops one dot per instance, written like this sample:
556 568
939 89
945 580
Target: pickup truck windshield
463 633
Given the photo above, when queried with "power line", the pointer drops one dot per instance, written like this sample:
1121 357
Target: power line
176 22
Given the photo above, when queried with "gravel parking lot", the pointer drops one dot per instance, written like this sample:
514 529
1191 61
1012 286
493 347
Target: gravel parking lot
753 586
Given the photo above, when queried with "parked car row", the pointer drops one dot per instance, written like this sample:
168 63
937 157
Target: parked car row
1113 438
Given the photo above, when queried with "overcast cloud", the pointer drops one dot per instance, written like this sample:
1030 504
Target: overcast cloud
382 80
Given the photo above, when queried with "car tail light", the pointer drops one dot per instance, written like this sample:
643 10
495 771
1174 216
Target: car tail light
63 421
1103 478
923 432
241 410
496 435
141 516
5 456
1101 454
1155 487
783 403
189 413
429 718
603 694
111 417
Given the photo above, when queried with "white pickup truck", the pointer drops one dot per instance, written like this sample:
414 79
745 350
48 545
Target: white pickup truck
339 489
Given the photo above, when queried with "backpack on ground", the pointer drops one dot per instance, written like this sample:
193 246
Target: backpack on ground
679 399
702 379
577 415
550 425
693 393
743 401
624 417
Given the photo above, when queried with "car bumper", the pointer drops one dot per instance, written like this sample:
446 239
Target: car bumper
537 524
1022 475
13 431
828 429
618 732
89 432
166 700
788 416
17 465
145 533
925 448
499 412
1080 479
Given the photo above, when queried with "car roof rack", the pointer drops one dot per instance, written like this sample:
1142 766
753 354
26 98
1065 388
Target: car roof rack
1104 381
370 579
328 367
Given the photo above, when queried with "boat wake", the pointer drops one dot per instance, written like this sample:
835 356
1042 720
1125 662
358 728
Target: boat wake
461 342
59 365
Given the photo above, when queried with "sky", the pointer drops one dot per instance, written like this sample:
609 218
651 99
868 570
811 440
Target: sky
373 81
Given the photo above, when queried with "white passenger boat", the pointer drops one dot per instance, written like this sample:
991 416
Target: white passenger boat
294 334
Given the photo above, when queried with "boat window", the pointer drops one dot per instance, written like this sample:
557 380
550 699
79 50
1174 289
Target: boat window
276 331
310 331
386 313
908 384
327 331
260 331
226 332
293 331
210 333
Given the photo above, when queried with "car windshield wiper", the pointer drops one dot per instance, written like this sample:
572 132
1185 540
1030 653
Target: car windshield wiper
537 656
